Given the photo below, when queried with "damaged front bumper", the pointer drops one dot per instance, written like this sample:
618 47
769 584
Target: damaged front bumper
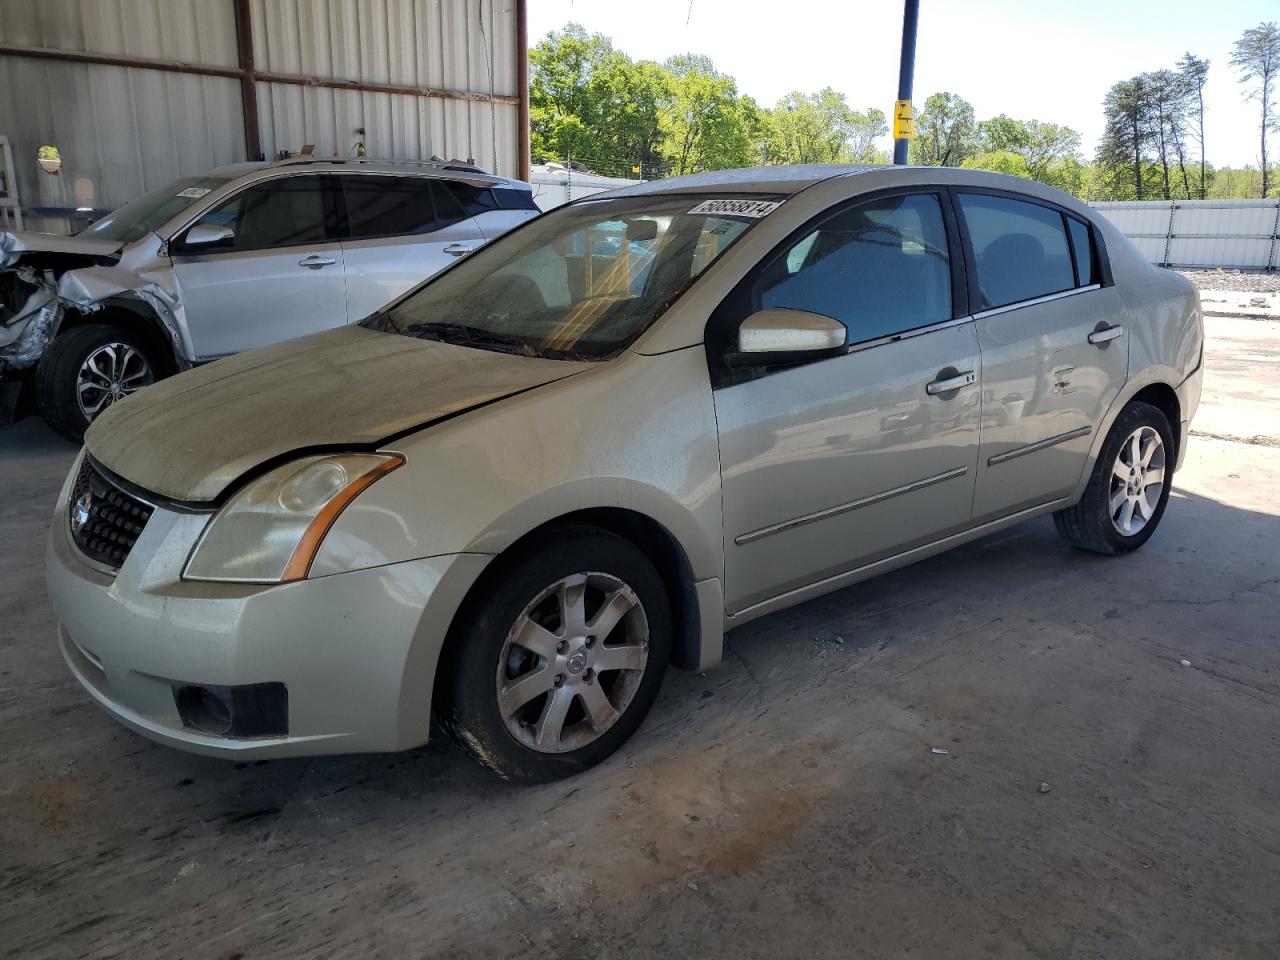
34 303
26 333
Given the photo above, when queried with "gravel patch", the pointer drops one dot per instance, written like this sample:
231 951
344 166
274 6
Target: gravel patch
1247 281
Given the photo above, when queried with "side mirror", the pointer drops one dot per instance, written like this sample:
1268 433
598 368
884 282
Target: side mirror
207 234
778 336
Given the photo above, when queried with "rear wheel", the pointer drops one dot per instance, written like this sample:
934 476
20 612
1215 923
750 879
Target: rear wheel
561 658
87 369
1129 488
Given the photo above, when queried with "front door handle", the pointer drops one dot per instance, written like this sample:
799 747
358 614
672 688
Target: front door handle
950 384
315 262
458 249
1105 335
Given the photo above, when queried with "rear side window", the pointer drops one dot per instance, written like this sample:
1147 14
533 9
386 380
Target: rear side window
476 199
1020 249
880 268
1082 246
288 211
379 206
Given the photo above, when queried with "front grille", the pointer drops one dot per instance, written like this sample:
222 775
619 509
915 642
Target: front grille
105 521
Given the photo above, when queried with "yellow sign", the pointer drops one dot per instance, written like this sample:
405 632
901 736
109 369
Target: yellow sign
904 121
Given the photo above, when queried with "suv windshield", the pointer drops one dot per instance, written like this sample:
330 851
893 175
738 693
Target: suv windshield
581 281
151 211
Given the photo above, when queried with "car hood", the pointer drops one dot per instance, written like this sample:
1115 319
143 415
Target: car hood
15 243
193 436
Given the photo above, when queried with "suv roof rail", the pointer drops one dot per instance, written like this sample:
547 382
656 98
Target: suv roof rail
453 165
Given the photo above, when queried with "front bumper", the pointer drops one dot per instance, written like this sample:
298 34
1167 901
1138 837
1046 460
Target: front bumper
356 651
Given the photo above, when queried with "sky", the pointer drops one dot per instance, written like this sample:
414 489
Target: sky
1025 58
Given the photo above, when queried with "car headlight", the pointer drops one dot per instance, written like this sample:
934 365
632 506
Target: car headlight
270 530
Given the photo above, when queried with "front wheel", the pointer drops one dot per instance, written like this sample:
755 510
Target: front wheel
1129 488
87 369
559 657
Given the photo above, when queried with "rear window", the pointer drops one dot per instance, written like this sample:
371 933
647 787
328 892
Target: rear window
1020 249
1086 259
477 199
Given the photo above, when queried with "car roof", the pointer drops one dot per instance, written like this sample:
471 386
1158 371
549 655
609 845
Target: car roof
789 180
781 179
451 170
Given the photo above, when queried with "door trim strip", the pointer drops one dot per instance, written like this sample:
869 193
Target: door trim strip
1017 452
875 498
867 570
1049 298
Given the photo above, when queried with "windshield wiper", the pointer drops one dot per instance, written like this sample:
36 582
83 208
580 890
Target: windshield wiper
464 335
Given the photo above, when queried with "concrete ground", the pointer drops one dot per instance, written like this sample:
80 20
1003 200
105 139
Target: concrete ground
789 804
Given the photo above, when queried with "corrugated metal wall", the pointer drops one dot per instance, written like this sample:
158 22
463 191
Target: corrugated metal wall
461 45
1201 233
125 130
121 131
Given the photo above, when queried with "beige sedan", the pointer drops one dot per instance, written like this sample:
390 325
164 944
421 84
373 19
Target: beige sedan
586 451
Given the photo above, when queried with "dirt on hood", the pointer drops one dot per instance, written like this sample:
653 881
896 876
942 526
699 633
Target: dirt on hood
191 437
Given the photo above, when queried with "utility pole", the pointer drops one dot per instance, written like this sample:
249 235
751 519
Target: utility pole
903 118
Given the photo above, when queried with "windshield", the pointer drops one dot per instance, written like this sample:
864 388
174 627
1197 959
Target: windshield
579 282
139 217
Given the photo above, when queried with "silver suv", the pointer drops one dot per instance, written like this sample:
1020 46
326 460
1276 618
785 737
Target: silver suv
244 256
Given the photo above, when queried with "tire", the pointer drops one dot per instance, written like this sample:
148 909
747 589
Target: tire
59 372
1093 524
552 734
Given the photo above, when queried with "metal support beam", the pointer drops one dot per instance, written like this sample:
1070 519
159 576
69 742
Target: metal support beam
522 86
261 76
906 70
248 85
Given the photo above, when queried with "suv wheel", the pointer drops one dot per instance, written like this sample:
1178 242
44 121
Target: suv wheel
562 659
87 369
1129 488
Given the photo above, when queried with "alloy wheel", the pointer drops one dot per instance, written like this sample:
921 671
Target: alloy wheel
1137 481
109 372
572 662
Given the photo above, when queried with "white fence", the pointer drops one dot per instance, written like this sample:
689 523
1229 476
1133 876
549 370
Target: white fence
554 184
1201 233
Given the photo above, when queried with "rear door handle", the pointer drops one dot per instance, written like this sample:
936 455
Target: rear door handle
949 384
315 262
1106 335
458 249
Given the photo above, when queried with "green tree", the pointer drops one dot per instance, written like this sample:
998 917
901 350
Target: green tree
946 132
1194 73
562 111
1050 151
822 128
1257 57
1127 137
704 124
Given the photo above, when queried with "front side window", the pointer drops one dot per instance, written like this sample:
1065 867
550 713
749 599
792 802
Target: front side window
148 213
581 281
880 268
1020 249
380 206
287 211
